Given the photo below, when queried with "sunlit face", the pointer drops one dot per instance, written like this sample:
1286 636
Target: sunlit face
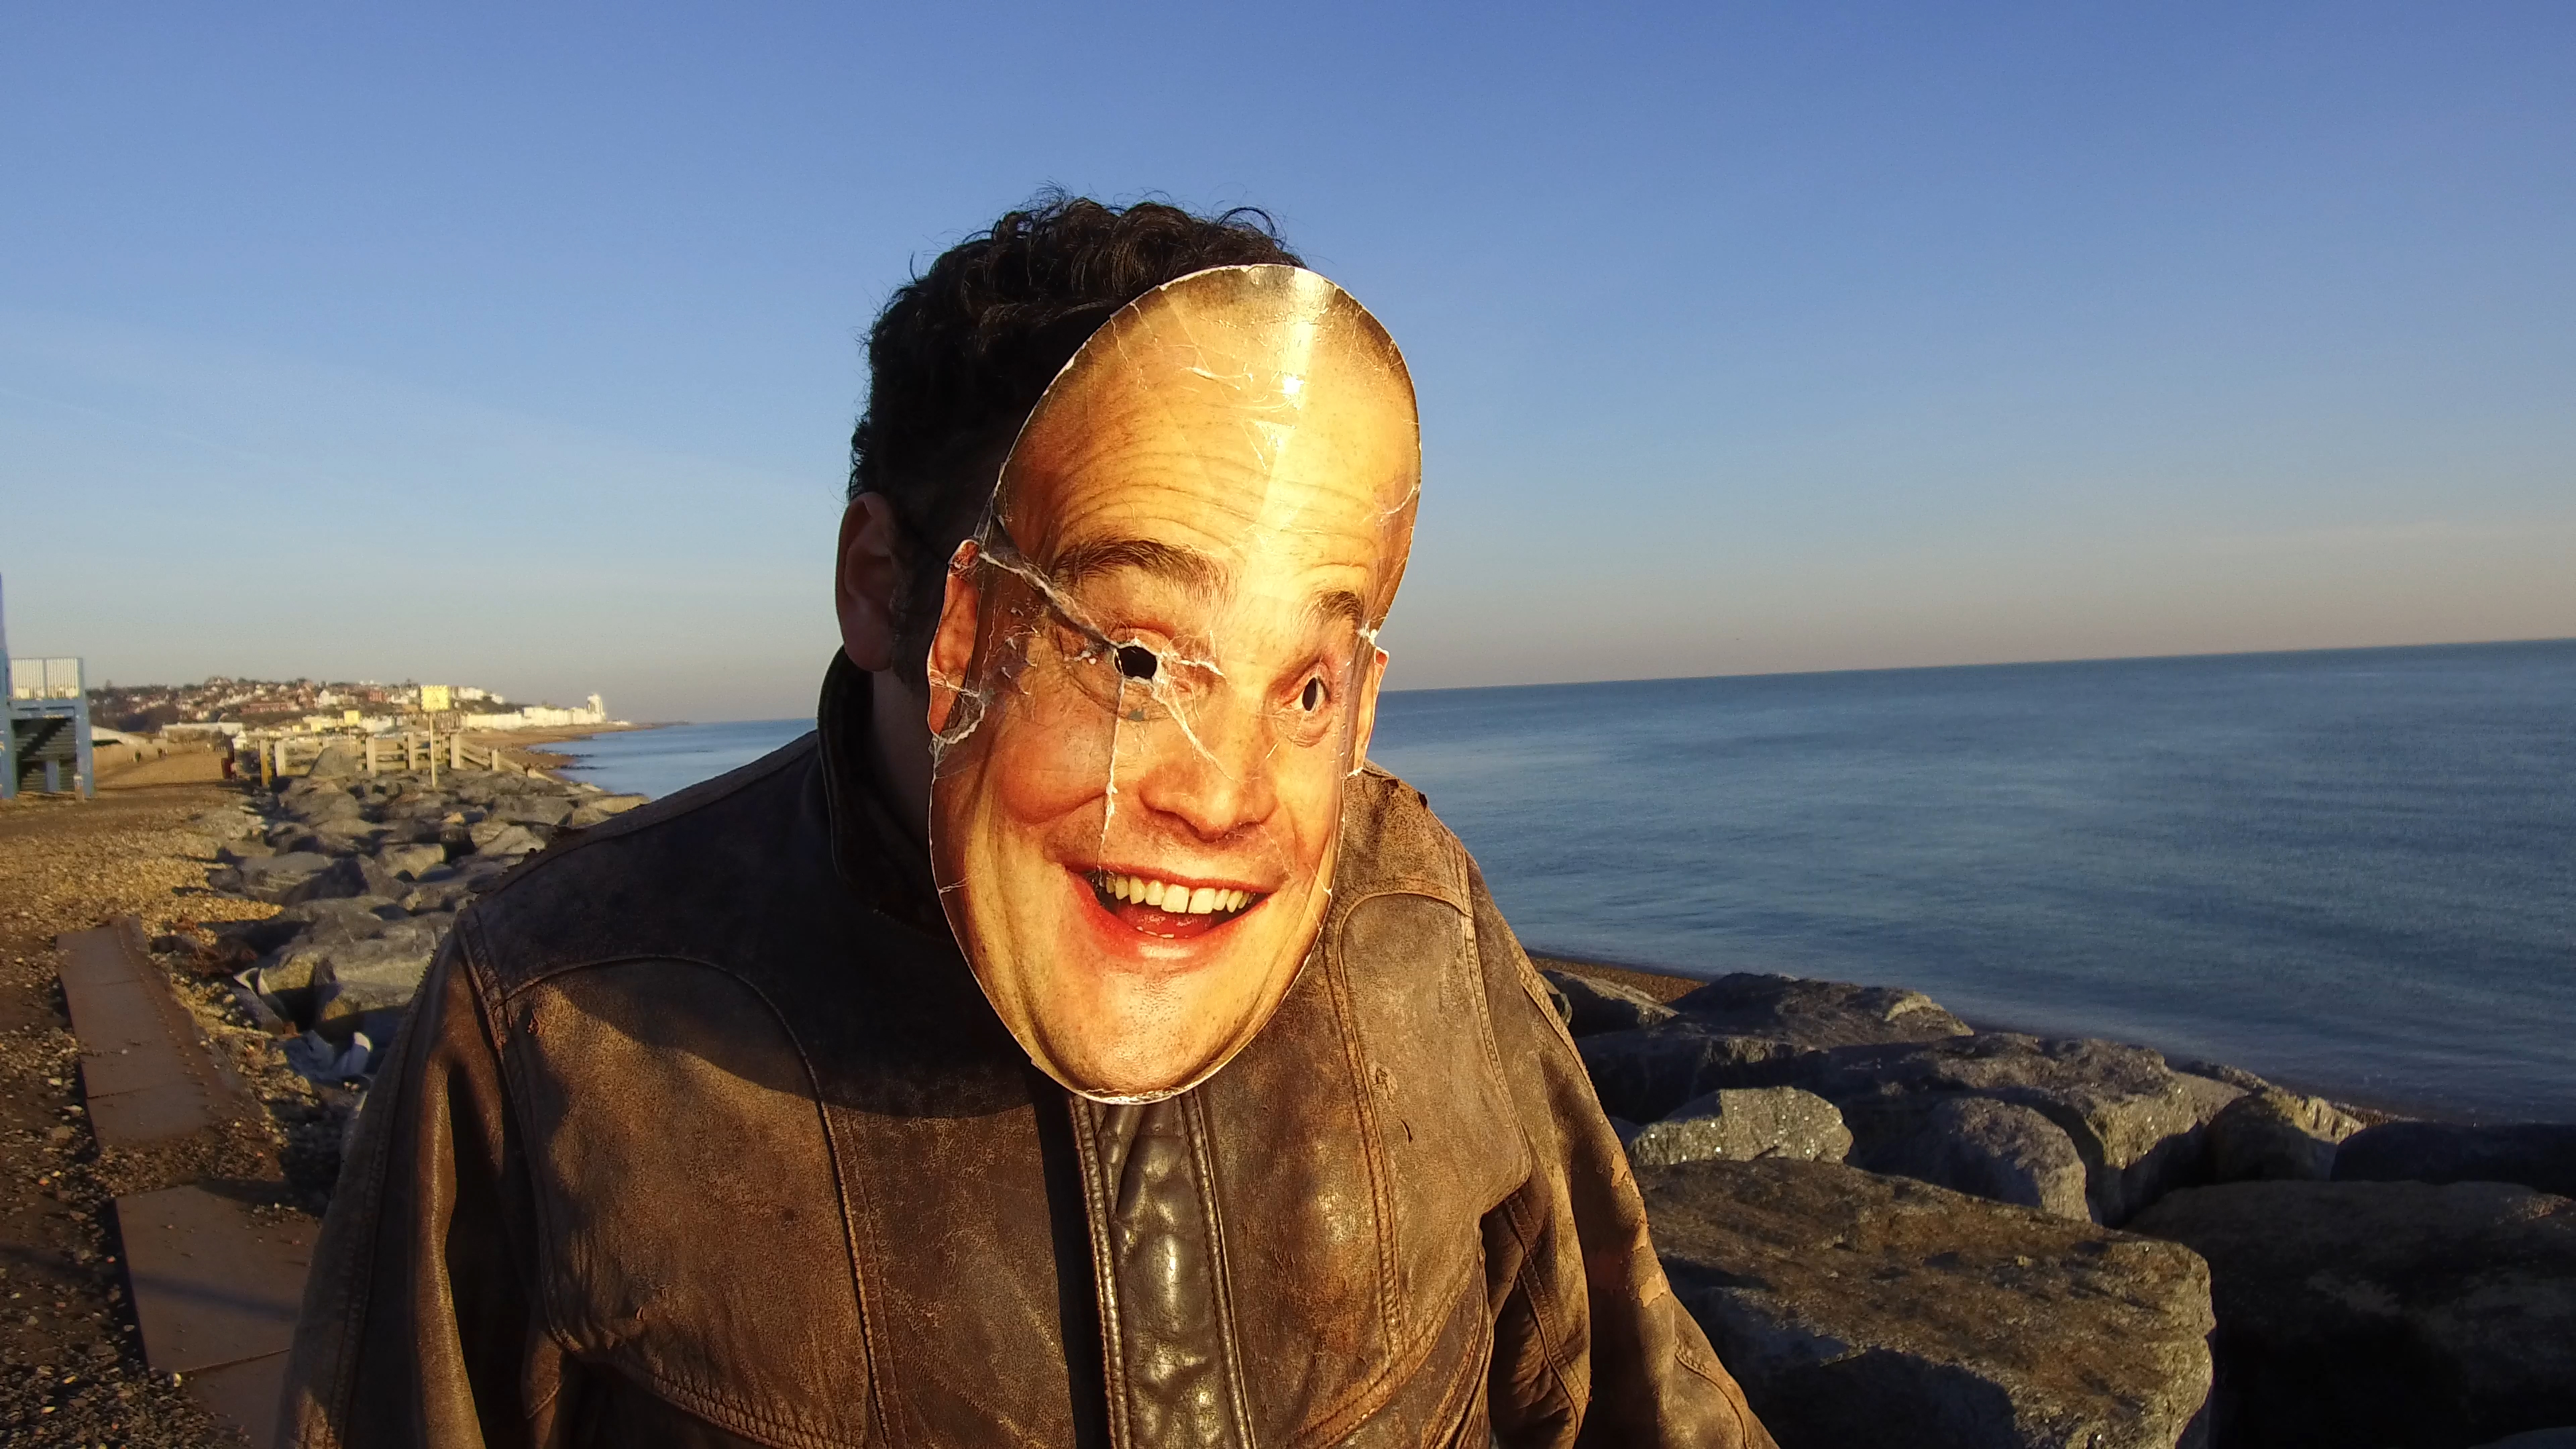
1156 667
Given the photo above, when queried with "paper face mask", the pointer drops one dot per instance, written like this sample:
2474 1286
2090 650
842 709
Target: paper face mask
1155 666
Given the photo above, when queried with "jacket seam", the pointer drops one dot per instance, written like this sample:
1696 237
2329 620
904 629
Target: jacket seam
1405 1349
698 1400
1220 1269
1498 1081
1728 1390
1104 1272
1553 1339
1372 1142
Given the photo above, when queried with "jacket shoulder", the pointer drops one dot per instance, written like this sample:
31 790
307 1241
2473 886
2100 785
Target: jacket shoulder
1392 842
684 876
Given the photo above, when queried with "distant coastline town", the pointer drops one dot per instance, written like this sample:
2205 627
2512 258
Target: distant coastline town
223 706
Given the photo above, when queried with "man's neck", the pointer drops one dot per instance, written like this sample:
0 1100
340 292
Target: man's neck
899 728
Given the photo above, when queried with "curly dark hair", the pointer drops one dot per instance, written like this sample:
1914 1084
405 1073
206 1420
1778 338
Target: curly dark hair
962 352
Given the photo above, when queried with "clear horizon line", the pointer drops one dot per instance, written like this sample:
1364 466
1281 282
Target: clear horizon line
2004 664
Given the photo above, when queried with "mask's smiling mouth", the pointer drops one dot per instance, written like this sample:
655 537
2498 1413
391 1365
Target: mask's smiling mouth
1173 910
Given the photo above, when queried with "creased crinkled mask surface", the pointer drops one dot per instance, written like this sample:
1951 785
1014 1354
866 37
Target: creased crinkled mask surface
1155 666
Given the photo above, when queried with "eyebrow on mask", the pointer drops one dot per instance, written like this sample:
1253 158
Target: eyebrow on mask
1341 606
1184 566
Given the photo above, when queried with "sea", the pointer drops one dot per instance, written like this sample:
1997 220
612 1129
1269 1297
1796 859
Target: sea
2353 871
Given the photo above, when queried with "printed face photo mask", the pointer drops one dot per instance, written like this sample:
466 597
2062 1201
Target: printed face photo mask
1155 666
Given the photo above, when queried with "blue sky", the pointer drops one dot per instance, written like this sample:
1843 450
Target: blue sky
521 348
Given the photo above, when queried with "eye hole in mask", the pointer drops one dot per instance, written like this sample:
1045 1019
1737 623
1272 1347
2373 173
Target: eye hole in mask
1137 662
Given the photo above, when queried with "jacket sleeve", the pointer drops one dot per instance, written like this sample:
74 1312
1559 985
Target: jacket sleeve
420 1325
1591 1347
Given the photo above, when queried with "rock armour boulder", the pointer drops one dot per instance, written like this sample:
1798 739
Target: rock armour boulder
1595 1007
363 866
2131 1120
2540 1155
2002 1151
1743 1124
1645 1073
1861 1311
1816 1015
2274 1135
2360 1313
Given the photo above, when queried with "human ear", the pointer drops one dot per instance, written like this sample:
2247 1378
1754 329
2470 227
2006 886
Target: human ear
866 580
952 648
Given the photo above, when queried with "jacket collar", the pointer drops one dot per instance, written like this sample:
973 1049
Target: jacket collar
880 860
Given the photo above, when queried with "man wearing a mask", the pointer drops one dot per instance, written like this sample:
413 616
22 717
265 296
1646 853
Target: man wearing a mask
1074 1041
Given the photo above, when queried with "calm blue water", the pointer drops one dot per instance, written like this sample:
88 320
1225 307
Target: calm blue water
656 762
2352 870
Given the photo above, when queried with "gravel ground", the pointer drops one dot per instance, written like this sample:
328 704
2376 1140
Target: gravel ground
71 1361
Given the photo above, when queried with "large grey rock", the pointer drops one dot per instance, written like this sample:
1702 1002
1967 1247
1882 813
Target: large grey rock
314 801
341 837
234 852
1600 1006
1645 1073
405 830
297 921
2209 1095
615 804
226 824
2133 1123
1814 1015
504 840
2234 1076
1741 1124
2384 1312
418 804
2538 1155
372 975
408 861
282 879
339 760
2278 1136
349 876
439 895
1861 1311
2001 1151
548 810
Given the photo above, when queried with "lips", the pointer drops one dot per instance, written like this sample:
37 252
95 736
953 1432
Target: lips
1172 910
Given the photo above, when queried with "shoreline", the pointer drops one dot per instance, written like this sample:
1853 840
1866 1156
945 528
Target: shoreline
530 743
2373 1106
2055 1247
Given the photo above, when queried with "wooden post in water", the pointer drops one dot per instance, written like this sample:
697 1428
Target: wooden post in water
433 757
266 779
456 752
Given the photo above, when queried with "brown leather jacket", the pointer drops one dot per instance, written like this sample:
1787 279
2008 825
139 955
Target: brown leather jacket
701 1133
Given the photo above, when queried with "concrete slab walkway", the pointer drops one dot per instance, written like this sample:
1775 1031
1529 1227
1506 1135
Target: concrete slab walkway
215 1287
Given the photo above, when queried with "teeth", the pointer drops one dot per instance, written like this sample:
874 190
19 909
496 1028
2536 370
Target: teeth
1178 899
